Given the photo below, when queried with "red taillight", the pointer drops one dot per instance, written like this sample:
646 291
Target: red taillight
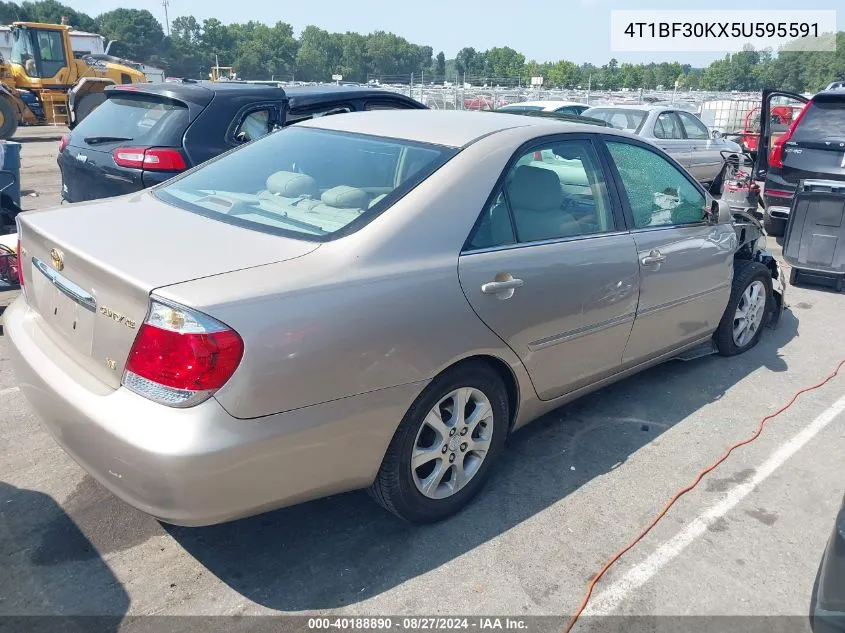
152 158
778 193
538 155
776 154
63 142
180 357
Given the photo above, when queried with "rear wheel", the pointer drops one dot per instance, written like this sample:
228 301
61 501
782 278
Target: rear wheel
745 315
774 226
8 119
87 104
445 446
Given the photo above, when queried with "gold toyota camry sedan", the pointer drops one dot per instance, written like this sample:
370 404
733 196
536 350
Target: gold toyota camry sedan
370 300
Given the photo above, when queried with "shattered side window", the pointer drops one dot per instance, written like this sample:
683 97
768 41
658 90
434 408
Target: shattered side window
659 194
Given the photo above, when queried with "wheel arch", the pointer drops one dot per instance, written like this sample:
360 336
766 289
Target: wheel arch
504 371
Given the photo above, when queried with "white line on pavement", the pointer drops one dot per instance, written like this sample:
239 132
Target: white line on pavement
612 597
3 392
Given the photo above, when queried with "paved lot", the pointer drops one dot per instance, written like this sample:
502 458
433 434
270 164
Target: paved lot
572 489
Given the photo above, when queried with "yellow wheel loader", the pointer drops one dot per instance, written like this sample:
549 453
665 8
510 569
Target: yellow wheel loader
43 83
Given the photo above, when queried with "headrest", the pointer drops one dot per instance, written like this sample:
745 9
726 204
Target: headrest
535 188
289 184
344 197
376 200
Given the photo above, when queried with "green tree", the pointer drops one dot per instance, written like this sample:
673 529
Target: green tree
563 74
139 35
354 57
319 55
52 12
11 12
440 65
504 63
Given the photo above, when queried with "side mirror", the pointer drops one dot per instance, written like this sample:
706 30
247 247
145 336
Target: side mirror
716 134
720 212
241 137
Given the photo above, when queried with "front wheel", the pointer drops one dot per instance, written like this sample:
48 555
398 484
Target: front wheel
445 446
8 119
745 315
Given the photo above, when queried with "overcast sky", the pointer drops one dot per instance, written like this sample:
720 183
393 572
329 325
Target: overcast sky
578 30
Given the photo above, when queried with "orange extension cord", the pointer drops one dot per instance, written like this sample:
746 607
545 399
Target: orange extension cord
689 487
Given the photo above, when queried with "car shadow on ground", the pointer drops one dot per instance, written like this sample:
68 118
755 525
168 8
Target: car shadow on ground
345 549
49 568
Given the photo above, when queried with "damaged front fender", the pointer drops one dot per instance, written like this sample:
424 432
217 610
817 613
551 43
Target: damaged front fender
751 245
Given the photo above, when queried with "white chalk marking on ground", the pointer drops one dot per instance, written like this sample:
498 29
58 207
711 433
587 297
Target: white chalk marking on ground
612 597
8 390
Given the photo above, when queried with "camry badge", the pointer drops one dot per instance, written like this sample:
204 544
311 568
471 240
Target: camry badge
117 317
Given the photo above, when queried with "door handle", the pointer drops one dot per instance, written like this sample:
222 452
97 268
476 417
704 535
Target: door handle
495 287
654 257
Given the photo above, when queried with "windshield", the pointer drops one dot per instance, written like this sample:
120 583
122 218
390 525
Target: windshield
145 120
315 184
620 118
823 120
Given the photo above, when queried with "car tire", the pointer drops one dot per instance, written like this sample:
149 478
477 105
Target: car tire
9 118
398 486
774 226
751 291
86 105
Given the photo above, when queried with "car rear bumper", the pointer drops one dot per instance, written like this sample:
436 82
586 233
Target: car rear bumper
200 466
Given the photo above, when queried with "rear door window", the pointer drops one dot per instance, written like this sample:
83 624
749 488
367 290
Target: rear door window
823 121
146 120
254 125
667 126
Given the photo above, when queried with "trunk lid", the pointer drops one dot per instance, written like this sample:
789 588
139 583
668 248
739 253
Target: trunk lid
89 269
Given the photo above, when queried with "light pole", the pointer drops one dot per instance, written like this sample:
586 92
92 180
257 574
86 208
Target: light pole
165 4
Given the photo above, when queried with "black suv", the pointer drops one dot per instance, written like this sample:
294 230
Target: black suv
144 134
799 139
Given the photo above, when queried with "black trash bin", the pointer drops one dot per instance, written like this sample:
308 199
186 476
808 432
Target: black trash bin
814 241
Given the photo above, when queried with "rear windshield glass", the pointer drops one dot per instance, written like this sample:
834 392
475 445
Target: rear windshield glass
620 118
143 120
312 183
823 120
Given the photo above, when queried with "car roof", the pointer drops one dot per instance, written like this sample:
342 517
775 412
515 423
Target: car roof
832 95
451 128
546 104
303 96
647 107
201 92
